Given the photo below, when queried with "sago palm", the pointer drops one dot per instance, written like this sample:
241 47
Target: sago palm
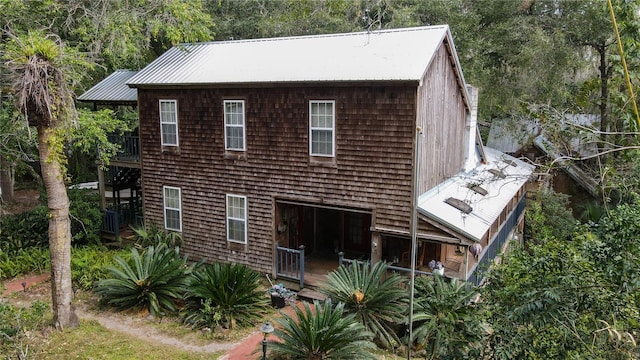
229 294
447 324
152 281
326 333
374 296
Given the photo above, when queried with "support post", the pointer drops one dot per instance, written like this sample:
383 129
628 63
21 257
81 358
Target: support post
301 266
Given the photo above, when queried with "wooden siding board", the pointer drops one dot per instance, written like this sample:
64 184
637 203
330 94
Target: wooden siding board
374 134
442 115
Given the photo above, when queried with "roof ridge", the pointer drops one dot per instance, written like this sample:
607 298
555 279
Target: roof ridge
317 36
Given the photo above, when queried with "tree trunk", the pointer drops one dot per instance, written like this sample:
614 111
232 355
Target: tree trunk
6 180
604 95
59 232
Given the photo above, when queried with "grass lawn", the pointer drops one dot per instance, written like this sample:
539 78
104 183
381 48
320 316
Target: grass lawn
92 341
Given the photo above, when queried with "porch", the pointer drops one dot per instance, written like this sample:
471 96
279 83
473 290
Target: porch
120 189
309 238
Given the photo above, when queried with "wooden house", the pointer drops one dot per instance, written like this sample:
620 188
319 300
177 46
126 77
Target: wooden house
287 153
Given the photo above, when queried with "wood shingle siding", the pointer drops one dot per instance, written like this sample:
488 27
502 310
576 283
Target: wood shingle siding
372 169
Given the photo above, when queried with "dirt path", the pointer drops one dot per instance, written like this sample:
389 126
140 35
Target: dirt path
130 327
37 288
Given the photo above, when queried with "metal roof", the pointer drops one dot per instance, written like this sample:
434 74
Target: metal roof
113 89
485 208
384 55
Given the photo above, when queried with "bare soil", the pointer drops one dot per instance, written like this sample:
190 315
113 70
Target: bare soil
23 200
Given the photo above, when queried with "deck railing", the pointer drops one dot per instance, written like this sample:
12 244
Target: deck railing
290 264
118 215
110 223
390 268
498 241
129 147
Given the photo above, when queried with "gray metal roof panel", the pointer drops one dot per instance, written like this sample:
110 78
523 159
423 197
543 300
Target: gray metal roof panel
486 208
385 55
112 89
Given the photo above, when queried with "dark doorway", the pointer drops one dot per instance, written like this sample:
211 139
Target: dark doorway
324 231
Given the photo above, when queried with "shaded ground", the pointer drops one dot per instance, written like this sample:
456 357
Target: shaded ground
23 200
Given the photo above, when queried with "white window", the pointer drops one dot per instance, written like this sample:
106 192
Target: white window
321 128
237 218
169 122
172 208
234 125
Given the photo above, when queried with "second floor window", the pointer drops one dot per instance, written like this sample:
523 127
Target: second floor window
169 122
234 125
322 128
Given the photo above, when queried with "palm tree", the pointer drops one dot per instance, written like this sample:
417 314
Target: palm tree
326 333
40 67
374 296
447 324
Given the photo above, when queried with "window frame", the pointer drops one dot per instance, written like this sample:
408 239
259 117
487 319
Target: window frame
165 122
227 126
332 129
165 207
228 218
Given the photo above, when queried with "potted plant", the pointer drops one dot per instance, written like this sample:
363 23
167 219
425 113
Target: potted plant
280 295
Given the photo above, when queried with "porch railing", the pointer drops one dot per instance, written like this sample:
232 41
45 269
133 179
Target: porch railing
129 147
110 223
498 241
394 269
290 264
122 214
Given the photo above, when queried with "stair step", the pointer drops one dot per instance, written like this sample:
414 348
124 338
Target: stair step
310 295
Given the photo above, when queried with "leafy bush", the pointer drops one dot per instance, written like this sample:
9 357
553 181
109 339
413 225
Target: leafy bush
89 264
553 300
548 217
31 228
375 297
152 281
154 235
24 261
327 333
86 217
227 294
27 229
447 325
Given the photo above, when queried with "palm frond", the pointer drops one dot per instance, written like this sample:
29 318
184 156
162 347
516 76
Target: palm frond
374 296
326 333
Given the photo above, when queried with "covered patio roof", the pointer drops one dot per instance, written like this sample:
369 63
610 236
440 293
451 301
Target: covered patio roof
470 202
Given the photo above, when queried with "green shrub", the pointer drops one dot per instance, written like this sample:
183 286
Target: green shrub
326 333
375 297
89 264
548 217
24 261
150 282
226 294
447 325
85 214
31 228
154 235
27 229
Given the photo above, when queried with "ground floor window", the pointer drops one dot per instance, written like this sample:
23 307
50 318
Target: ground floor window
172 208
237 218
